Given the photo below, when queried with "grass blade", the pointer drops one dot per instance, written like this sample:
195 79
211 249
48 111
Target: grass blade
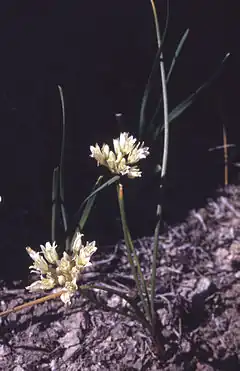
177 53
86 211
177 111
175 57
104 185
77 216
89 205
142 119
61 168
55 188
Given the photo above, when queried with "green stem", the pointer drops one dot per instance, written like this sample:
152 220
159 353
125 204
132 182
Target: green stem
154 269
138 276
164 163
164 93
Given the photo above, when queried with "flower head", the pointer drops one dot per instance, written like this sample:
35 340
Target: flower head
40 265
64 272
49 252
43 284
77 243
126 153
82 259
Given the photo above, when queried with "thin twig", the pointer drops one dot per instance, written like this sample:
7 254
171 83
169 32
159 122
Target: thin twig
33 302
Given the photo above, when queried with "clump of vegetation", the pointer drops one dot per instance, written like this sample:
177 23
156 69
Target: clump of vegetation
63 275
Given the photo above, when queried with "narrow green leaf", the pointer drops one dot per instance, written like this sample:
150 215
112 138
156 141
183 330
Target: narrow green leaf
148 87
175 57
86 211
77 216
177 53
89 205
55 185
132 256
104 185
177 111
151 79
61 166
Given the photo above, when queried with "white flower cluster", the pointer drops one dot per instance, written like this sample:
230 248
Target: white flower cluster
126 154
63 272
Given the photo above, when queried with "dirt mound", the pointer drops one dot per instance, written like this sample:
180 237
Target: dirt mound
198 304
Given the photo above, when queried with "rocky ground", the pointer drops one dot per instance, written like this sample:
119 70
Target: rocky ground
198 304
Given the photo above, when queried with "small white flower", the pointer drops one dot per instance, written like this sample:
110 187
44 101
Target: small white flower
134 172
49 252
125 143
71 288
44 284
48 283
105 151
40 263
65 263
83 258
35 286
77 243
61 280
137 154
63 272
75 273
126 153
100 154
66 297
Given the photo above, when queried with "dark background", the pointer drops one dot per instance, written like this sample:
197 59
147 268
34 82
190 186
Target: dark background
101 53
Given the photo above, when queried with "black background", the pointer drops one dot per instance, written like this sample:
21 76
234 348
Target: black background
101 53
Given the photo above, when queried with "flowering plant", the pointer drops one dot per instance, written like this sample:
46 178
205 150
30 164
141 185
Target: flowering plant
124 157
64 272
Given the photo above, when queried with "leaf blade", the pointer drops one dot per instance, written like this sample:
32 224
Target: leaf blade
181 107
